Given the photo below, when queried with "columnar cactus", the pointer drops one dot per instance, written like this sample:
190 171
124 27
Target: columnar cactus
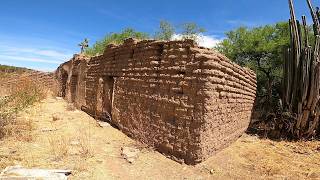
302 74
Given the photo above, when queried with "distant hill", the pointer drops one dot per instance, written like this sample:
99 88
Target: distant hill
13 69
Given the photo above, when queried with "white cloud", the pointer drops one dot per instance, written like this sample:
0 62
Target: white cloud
34 52
208 41
202 40
5 62
243 23
52 53
39 58
29 59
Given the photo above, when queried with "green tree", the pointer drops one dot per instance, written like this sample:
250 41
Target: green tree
191 30
166 31
260 49
114 38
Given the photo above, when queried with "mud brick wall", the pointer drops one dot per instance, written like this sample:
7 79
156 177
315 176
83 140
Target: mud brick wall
230 91
71 77
62 75
46 79
94 73
187 102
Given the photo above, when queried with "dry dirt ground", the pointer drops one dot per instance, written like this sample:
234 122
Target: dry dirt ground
70 139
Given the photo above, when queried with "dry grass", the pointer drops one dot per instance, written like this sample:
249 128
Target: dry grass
62 146
92 152
21 96
19 129
70 107
59 146
85 146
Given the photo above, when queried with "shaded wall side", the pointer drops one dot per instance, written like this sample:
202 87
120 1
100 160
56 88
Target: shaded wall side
62 77
230 91
71 77
80 100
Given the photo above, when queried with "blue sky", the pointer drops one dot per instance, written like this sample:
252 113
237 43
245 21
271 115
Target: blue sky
41 34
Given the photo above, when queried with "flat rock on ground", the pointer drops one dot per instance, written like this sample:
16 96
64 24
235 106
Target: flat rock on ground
19 172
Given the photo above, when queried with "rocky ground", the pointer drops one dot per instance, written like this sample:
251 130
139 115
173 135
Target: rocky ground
65 138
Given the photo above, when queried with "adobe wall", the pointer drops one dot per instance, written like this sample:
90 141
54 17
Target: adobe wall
46 79
187 102
71 77
230 91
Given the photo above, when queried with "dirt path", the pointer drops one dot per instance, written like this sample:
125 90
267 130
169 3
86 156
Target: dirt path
74 140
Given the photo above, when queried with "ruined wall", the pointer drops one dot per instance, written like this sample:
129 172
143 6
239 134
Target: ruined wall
187 102
71 77
230 92
46 79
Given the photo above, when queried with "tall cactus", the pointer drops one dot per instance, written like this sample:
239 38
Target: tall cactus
302 74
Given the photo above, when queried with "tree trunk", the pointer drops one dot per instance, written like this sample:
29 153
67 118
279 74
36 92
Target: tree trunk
270 82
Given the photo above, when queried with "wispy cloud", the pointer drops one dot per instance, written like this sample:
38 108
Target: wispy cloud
5 62
243 23
202 40
29 59
33 51
32 57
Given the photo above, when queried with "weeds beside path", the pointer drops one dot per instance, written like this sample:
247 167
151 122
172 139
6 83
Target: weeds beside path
64 139
21 96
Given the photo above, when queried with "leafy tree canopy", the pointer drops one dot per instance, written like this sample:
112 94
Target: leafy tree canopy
187 30
166 31
260 49
191 30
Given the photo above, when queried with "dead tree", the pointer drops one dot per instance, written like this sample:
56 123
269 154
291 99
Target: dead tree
84 44
301 78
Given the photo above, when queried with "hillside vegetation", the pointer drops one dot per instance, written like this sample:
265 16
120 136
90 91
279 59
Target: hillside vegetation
21 96
5 70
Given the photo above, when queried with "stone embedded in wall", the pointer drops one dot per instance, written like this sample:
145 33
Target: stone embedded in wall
186 101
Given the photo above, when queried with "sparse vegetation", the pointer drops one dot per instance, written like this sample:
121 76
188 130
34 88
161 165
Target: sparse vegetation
261 157
191 30
59 146
11 69
166 32
85 144
6 71
21 96
114 38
